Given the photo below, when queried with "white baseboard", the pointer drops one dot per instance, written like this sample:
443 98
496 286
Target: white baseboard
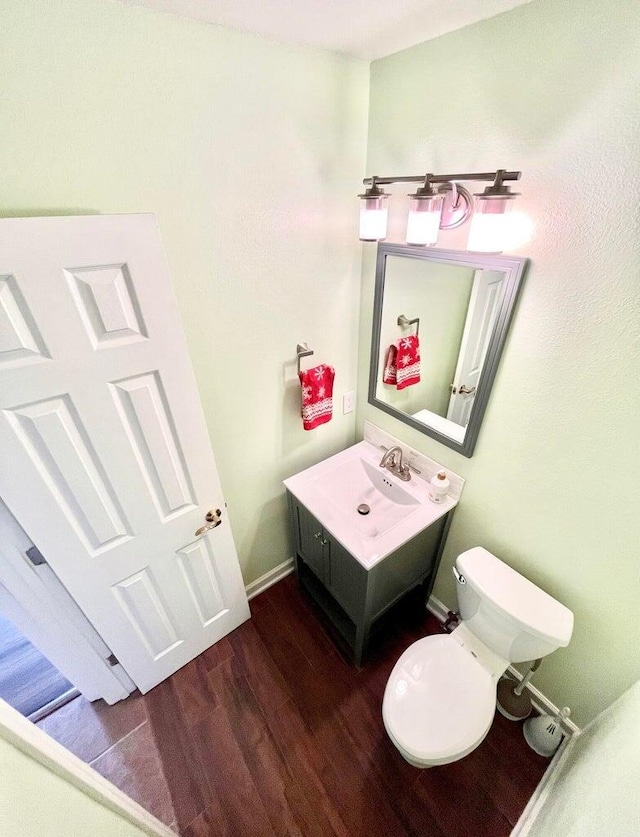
436 607
538 699
272 577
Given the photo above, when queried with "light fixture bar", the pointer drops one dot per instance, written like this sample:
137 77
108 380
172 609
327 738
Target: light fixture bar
445 178
490 210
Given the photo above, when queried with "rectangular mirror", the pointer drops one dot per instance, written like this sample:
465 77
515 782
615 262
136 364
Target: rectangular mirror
460 304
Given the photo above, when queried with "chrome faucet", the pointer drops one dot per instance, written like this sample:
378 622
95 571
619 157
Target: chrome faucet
392 461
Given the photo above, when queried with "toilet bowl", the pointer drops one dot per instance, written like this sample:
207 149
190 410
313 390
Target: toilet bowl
440 699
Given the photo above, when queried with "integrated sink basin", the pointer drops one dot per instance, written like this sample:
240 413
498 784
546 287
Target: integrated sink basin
365 507
357 484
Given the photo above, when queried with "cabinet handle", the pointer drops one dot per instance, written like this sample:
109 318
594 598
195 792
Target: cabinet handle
317 535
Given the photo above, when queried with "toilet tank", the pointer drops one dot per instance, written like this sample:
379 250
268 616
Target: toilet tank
506 611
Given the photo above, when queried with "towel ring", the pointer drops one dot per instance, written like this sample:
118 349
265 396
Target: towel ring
404 322
302 350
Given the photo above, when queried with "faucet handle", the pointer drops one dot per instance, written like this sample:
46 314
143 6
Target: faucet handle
406 464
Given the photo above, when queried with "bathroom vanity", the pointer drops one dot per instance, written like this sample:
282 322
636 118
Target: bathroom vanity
358 566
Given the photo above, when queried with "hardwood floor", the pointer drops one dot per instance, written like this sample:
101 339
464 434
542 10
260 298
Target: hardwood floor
273 732
28 681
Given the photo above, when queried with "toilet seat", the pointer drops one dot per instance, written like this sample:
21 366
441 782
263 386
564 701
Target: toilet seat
439 702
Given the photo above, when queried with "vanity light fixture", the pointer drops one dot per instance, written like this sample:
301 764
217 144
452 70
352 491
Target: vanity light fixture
489 225
440 203
373 212
425 212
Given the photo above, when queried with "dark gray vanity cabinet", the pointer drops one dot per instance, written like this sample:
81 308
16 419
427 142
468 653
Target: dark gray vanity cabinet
351 596
332 565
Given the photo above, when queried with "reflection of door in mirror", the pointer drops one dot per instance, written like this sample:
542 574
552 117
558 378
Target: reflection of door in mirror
438 295
484 306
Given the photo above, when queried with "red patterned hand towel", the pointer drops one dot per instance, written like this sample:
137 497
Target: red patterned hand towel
389 376
408 361
317 392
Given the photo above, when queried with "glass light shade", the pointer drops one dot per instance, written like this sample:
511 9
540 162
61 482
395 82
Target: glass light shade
423 222
489 231
373 218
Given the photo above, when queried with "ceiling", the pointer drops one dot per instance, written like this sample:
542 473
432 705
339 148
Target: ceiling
367 29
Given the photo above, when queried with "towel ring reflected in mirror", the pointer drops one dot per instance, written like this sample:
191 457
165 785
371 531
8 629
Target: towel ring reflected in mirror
405 322
464 304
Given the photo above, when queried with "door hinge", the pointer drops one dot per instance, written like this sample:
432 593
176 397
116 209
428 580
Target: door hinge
35 556
112 660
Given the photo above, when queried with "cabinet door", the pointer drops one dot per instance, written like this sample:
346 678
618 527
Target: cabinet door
309 536
345 579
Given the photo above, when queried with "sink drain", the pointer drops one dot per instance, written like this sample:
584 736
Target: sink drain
363 508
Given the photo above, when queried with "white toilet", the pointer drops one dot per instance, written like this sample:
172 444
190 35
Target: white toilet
441 696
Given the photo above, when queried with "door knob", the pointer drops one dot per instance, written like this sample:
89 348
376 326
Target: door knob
213 518
464 391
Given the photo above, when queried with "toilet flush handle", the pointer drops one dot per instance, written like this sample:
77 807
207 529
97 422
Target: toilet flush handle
459 577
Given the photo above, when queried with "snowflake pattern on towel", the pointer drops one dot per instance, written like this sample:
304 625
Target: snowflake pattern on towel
317 390
402 363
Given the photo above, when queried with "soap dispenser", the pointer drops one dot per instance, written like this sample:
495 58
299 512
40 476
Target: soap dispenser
439 487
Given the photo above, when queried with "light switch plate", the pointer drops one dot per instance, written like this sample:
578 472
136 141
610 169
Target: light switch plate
348 402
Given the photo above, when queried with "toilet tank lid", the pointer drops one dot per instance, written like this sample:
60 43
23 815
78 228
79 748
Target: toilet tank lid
516 596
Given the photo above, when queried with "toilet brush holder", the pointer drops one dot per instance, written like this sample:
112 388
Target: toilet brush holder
512 701
544 734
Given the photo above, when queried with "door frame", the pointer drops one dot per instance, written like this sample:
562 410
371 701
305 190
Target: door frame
37 745
41 608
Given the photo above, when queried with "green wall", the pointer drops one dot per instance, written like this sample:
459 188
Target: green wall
594 785
249 152
553 89
36 802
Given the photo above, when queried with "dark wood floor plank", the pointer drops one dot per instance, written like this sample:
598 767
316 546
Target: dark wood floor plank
187 782
314 644
258 602
518 768
217 653
134 766
307 760
358 788
314 695
454 796
210 823
251 655
233 790
361 715
279 788
317 695
193 688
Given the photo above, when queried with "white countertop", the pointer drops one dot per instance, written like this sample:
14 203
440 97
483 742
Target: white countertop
346 525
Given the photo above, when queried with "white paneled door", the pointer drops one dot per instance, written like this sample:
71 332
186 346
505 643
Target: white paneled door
105 457
483 310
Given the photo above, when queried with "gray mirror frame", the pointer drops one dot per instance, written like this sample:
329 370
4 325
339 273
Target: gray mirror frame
514 269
